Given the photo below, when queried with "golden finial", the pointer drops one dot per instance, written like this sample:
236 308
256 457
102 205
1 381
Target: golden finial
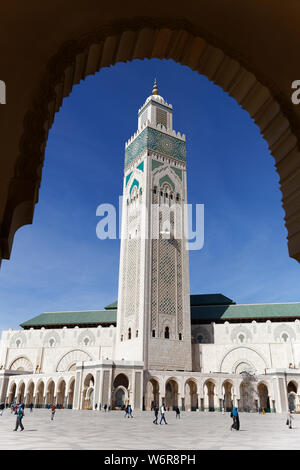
155 90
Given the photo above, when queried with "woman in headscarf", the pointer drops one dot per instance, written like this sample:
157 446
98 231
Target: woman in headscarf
236 420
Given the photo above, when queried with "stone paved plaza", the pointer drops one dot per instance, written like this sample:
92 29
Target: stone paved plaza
98 430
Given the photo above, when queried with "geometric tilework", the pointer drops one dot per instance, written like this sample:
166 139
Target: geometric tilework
128 178
157 141
177 171
166 179
156 164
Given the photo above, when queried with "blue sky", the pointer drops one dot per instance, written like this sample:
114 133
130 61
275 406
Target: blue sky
58 263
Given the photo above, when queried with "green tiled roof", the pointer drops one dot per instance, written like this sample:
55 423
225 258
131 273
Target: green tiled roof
250 311
73 318
204 307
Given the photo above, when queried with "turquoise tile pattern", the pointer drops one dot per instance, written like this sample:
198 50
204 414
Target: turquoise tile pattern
157 141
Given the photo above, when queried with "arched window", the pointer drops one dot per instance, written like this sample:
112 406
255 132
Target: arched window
285 337
86 341
153 333
52 342
129 333
137 333
121 337
180 336
167 332
241 338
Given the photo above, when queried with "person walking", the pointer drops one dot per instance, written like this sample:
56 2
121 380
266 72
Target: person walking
53 409
126 411
99 406
96 406
20 415
105 407
236 420
289 419
30 407
2 406
177 410
162 414
156 411
130 415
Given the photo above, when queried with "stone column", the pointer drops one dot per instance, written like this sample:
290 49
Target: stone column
101 389
178 399
198 402
235 401
159 399
216 402
206 400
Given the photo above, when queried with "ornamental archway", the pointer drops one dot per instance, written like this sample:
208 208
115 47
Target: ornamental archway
263 396
120 396
73 56
29 394
50 398
39 394
190 396
171 394
88 393
152 394
61 392
12 393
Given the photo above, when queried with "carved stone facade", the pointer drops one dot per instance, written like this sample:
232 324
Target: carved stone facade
153 323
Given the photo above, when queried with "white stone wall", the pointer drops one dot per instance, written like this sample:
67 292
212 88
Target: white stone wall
37 347
229 347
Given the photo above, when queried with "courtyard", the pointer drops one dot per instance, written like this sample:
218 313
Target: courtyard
92 430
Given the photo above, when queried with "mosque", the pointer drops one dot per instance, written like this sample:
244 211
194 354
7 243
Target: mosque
157 343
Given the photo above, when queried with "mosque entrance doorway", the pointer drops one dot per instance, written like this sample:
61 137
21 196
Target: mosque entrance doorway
152 397
263 395
171 394
120 391
120 398
190 396
88 393
292 394
71 393
248 393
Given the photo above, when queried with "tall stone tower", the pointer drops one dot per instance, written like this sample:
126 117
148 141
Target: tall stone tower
153 322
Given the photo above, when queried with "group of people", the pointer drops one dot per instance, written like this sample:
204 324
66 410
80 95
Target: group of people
162 414
18 410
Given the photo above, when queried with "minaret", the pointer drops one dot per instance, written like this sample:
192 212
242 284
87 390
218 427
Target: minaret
153 322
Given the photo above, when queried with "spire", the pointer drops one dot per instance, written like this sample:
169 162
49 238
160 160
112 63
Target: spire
155 90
